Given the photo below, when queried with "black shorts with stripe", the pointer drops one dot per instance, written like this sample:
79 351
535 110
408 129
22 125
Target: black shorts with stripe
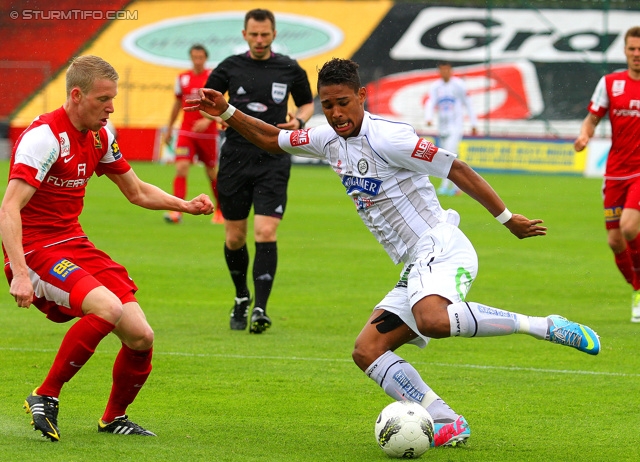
249 176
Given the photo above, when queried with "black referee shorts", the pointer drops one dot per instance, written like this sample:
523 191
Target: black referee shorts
250 176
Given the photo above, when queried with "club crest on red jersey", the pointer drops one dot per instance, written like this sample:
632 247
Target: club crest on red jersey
97 142
617 87
424 150
299 137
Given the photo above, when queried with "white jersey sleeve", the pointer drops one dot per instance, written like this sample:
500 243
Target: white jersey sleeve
113 151
38 148
400 145
600 98
308 142
177 88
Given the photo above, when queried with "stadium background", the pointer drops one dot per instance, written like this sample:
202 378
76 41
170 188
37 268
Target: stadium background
530 66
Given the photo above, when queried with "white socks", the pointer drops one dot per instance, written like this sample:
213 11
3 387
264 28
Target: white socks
470 319
402 382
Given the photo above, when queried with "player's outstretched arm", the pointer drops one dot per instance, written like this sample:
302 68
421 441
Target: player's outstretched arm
151 197
256 131
477 187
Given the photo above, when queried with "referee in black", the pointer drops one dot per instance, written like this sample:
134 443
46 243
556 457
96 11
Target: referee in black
259 83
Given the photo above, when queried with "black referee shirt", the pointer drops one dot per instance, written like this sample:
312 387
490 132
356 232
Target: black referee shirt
261 88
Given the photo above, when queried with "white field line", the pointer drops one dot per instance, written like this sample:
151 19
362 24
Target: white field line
345 360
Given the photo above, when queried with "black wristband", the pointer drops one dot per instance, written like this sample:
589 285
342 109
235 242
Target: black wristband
301 122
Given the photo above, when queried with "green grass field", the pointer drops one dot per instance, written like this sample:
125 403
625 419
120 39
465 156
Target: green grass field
293 394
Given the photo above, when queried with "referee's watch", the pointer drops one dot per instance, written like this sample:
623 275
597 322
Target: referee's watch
301 123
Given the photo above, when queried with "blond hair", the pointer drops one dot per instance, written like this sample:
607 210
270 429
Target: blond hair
85 70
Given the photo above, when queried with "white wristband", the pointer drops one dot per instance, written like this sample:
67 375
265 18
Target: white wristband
504 216
228 113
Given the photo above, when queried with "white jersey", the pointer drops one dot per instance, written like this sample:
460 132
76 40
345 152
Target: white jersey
385 169
449 98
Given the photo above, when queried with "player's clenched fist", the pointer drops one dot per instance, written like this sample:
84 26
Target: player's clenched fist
200 205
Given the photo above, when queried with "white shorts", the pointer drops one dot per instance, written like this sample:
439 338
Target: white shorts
445 264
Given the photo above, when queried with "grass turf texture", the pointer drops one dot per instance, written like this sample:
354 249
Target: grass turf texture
293 393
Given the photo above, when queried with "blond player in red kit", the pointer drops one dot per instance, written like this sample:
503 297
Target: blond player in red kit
50 262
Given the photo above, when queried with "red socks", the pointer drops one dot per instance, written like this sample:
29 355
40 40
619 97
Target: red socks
634 254
77 347
623 262
628 262
130 372
180 187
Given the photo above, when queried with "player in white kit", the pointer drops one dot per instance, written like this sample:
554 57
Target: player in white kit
449 97
385 168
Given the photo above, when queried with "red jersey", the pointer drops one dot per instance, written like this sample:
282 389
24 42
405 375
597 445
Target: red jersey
619 96
58 159
188 85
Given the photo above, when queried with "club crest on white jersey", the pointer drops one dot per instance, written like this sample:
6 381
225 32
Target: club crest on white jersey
363 166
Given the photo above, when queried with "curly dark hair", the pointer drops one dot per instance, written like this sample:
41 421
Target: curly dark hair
339 72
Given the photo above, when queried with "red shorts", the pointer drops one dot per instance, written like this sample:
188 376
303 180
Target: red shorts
188 147
63 275
618 195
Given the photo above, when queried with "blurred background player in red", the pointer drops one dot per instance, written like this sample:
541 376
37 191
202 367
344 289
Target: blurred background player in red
618 95
198 135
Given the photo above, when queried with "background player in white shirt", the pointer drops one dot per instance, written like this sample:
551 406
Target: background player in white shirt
385 168
449 97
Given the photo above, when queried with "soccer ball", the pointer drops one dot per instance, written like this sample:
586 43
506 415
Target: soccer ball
404 430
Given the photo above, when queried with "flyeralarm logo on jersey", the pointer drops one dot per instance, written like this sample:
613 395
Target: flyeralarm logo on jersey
167 42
